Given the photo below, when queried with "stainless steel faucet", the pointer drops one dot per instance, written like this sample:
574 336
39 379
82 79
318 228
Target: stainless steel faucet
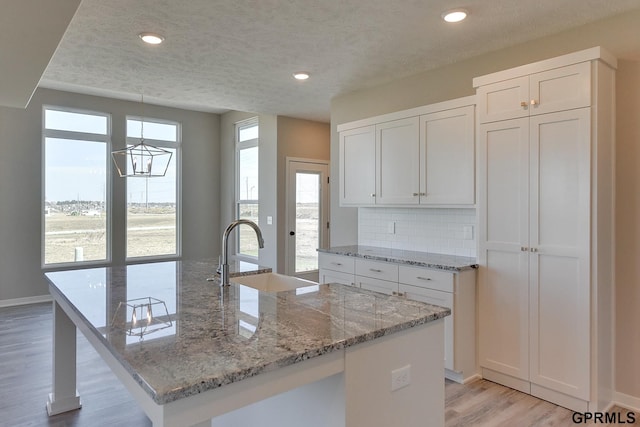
224 262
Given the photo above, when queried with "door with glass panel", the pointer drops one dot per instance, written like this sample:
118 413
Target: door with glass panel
307 216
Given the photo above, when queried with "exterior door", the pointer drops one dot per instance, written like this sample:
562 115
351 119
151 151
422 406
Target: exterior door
307 216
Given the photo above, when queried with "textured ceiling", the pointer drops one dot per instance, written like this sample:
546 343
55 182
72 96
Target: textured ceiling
239 55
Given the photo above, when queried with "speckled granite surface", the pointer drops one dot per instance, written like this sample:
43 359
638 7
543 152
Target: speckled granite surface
213 336
418 259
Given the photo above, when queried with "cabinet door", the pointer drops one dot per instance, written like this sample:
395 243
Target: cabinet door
560 89
503 291
398 157
358 166
503 100
447 157
382 286
442 299
559 263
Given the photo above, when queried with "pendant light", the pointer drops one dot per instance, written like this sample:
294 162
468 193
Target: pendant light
142 160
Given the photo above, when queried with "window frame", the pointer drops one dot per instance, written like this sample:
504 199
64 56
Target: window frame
239 146
177 145
77 136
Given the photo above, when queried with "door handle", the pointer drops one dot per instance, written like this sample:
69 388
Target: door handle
292 233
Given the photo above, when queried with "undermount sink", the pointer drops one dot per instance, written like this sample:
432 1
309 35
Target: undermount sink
272 282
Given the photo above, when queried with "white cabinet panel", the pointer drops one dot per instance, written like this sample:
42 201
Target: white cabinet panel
397 159
426 278
447 156
382 286
329 276
560 89
358 166
377 269
345 264
442 299
503 100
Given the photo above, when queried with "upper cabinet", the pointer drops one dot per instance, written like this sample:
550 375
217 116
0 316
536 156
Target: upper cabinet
358 166
419 157
558 89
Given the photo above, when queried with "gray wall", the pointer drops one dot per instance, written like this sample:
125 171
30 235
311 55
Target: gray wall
621 37
267 191
21 182
296 138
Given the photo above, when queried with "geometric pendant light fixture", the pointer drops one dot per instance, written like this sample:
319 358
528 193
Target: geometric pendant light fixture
142 160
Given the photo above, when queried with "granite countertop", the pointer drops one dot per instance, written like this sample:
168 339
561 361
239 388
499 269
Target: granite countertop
418 259
210 336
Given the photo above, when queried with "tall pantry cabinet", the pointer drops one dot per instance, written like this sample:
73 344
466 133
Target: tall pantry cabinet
545 208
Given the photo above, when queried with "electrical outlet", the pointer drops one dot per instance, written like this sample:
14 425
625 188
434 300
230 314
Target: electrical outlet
400 377
467 230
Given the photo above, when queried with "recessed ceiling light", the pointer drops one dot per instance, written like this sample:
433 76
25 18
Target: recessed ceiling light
151 38
301 75
455 15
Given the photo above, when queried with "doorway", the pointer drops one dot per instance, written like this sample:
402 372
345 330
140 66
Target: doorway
307 216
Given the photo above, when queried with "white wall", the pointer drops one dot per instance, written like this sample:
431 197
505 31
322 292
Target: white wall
417 229
21 181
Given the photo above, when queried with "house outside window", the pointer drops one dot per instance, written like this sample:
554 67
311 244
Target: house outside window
153 208
76 209
247 195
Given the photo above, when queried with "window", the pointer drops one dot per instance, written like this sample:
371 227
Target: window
76 170
152 203
247 185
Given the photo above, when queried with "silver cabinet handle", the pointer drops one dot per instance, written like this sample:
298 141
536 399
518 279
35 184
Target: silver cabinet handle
534 102
523 104
524 248
534 249
373 195
423 194
416 194
423 278
336 263
375 270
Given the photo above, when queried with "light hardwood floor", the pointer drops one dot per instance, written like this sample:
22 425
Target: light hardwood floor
25 382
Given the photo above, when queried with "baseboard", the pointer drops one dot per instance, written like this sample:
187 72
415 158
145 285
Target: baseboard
628 402
24 301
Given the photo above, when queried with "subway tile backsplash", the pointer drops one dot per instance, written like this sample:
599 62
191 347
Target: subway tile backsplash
444 231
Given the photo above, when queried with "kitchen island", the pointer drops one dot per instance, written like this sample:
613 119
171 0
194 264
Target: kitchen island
198 354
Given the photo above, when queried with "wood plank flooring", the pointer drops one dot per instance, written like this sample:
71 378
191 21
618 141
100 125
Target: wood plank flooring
25 382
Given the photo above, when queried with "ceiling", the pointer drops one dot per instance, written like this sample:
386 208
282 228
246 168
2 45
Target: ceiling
240 55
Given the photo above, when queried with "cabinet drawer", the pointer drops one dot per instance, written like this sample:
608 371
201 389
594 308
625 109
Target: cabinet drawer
333 262
330 276
426 278
383 286
377 270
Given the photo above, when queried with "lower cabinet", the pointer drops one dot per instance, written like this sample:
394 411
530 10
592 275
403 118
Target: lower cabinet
454 290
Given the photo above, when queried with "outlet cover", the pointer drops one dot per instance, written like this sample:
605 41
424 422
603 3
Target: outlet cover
400 377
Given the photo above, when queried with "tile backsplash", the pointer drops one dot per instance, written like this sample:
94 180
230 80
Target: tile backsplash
444 231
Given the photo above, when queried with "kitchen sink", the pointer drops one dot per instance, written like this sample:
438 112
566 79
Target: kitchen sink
272 282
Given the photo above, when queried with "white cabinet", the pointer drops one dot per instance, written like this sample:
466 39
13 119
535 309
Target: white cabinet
424 156
447 157
336 269
544 92
545 185
357 166
398 162
454 290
